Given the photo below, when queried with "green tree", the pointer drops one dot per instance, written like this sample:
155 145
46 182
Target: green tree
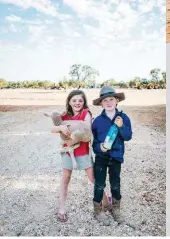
82 72
35 84
25 84
89 73
64 84
132 83
3 83
111 82
76 71
155 74
11 85
73 83
81 84
90 83
164 76
123 84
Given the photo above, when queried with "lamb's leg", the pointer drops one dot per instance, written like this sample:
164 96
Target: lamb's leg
90 156
66 149
71 151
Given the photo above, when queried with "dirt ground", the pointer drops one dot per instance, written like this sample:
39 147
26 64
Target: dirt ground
31 168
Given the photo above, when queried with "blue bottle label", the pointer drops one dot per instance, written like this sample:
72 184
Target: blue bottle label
111 136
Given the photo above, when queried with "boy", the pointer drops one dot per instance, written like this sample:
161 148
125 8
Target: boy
112 158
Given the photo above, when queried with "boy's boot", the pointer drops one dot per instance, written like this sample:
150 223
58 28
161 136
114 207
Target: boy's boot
115 210
107 206
100 215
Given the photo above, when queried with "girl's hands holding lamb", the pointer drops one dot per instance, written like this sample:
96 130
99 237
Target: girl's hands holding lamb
64 129
70 142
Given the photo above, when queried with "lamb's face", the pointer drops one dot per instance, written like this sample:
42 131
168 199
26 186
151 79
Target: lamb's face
55 116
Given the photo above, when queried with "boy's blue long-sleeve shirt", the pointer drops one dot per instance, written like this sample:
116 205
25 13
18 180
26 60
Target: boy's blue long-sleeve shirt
101 126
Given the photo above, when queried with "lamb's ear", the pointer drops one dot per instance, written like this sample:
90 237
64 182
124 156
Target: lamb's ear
57 112
47 114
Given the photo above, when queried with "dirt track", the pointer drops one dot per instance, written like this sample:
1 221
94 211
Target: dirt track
31 169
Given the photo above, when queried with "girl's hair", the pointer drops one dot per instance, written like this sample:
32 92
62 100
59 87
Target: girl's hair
69 110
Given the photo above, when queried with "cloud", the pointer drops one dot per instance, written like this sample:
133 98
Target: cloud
125 10
76 34
13 22
13 18
36 32
64 17
44 6
78 6
145 6
13 28
111 24
109 37
86 8
9 53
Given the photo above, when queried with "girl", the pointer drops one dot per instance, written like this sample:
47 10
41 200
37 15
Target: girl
76 109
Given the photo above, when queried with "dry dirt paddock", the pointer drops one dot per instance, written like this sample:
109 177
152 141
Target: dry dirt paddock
30 168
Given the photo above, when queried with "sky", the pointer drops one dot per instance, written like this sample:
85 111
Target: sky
41 39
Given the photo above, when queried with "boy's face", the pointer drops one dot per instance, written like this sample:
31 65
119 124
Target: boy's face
109 103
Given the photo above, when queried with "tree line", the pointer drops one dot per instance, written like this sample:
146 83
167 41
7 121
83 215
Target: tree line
84 76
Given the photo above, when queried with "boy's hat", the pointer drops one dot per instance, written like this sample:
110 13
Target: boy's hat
108 91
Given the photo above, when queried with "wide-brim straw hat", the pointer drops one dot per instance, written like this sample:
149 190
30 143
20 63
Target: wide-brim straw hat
108 91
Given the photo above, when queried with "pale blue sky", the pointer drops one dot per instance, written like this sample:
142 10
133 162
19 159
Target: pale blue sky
41 39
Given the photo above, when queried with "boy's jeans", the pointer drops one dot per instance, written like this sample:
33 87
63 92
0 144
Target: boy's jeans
100 172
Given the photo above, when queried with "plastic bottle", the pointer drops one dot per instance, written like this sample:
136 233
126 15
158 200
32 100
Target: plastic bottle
111 136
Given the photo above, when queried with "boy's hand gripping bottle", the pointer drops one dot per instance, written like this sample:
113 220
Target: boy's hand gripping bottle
111 136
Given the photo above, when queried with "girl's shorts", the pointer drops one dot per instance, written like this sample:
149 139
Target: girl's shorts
83 162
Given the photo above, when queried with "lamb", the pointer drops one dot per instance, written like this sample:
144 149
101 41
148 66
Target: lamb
79 130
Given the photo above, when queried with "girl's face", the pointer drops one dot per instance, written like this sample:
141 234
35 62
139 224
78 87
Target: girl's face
109 103
76 103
